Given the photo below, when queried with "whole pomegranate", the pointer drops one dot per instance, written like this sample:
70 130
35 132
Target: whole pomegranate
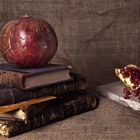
28 42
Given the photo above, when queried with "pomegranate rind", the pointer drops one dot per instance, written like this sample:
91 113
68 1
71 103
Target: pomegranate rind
127 82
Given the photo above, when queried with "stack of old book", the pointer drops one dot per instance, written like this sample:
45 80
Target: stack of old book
31 98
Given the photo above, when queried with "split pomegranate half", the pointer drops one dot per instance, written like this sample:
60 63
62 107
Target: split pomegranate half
130 76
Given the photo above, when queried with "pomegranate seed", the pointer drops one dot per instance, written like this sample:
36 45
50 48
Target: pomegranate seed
135 93
126 91
126 97
134 87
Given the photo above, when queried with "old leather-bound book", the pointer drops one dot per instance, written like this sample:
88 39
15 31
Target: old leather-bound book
13 95
25 79
24 110
12 107
63 108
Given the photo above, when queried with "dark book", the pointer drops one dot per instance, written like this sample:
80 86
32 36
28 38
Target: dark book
8 108
63 109
23 111
13 95
25 79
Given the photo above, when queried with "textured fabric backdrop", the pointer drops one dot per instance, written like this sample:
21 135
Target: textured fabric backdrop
95 36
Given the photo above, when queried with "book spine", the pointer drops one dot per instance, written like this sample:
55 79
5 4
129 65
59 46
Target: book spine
67 109
13 95
12 79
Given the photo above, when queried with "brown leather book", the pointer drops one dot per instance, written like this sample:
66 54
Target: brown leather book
7 108
63 108
25 79
22 110
13 95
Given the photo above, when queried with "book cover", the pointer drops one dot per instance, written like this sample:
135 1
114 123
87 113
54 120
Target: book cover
63 109
23 113
25 79
13 95
8 108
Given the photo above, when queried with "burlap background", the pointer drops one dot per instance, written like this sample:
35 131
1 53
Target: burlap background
95 36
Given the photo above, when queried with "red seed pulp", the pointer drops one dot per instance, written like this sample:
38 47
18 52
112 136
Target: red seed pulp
134 74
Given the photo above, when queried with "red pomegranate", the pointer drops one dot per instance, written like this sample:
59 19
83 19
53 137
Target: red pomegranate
28 42
130 76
